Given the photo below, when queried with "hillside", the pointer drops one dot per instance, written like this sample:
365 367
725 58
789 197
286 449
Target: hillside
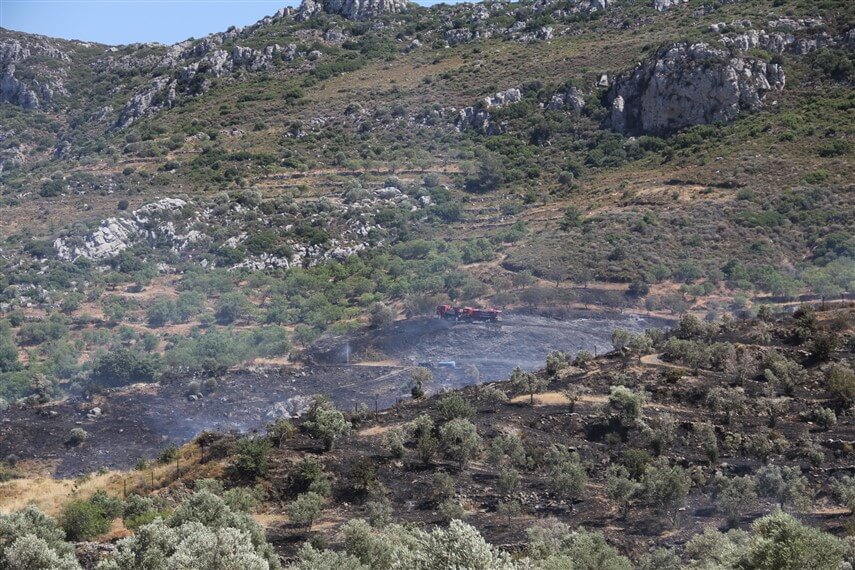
253 230
667 158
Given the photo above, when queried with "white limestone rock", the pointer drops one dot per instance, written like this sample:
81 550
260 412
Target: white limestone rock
685 85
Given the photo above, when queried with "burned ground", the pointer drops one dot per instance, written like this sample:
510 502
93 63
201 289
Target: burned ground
137 421
496 349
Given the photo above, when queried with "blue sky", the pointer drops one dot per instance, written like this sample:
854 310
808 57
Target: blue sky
129 21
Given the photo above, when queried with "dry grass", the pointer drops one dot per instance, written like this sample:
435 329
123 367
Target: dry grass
50 494
377 430
270 520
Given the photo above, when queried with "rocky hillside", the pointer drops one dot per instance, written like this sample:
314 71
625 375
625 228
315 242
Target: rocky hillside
347 159
177 220
347 162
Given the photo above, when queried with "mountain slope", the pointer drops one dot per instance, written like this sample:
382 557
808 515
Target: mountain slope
337 156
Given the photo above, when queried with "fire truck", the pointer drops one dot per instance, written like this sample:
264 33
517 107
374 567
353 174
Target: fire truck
467 314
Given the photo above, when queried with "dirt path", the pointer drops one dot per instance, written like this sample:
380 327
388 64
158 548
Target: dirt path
559 399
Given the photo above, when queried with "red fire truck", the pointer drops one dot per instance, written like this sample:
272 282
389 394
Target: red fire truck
467 314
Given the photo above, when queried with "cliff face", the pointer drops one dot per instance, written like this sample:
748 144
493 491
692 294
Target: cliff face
690 84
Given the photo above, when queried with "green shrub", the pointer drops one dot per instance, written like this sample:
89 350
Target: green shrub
453 406
76 437
123 366
325 422
253 457
460 440
305 509
82 520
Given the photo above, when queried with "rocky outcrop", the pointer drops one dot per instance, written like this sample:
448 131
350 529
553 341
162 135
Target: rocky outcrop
562 10
776 42
159 95
11 158
685 85
662 5
570 99
114 235
503 98
14 50
458 36
478 117
794 36
15 91
350 9
194 77
26 80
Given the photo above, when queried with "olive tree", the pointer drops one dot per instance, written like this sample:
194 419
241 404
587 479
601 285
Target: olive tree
453 406
204 532
508 480
422 431
419 378
555 362
665 487
841 382
776 541
786 485
460 440
305 509
626 405
29 552
843 489
30 539
567 475
728 401
528 383
493 396
325 422
735 495
621 489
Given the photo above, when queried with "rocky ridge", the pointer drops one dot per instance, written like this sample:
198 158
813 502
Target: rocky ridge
351 9
185 228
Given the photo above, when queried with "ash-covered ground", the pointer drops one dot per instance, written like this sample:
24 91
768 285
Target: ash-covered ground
496 349
135 422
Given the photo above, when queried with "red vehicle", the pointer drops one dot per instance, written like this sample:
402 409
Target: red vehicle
467 314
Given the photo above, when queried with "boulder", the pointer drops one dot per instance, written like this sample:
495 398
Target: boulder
689 84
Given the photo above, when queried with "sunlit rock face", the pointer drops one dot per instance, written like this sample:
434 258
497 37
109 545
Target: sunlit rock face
690 84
